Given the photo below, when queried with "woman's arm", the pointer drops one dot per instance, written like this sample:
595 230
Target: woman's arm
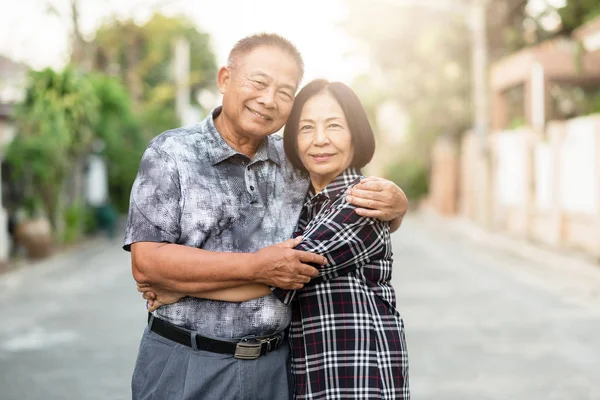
346 239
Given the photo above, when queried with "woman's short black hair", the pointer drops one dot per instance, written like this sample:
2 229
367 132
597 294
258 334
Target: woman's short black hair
363 139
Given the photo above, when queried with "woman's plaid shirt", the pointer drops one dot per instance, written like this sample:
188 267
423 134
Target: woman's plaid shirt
346 335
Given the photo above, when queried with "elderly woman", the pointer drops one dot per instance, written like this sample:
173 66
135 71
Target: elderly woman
346 336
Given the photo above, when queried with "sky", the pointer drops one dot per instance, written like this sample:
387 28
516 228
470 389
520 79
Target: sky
29 33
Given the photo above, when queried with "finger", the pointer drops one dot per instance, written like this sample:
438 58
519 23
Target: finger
307 257
376 186
149 295
366 203
293 242
374 178
308 271
369 194
290 243
155 305
363 212
302 271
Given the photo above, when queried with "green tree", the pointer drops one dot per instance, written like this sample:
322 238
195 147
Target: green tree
141 55
121 134
577 13
55 125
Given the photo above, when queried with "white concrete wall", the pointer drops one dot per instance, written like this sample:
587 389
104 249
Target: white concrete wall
578 167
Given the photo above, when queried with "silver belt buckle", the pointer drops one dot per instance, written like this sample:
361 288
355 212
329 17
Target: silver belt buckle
248 350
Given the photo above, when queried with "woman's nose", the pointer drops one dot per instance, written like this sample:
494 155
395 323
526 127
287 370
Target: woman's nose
321 137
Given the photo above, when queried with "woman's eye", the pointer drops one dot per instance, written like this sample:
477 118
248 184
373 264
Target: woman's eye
335 125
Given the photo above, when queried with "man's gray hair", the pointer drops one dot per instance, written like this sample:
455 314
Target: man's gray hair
249 43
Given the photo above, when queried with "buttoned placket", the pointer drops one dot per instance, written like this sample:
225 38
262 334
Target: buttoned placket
251 184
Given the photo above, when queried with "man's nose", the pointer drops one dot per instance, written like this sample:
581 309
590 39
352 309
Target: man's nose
267 98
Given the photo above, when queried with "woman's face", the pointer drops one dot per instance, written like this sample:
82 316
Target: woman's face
324 140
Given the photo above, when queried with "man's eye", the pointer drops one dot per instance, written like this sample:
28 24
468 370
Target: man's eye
286 96
305 127
260 83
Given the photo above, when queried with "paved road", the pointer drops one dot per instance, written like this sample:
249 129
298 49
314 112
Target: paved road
484 324
481 323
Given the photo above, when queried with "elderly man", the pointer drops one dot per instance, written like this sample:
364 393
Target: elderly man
210 209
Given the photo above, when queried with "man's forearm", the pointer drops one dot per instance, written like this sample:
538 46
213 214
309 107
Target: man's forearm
236 294
186 269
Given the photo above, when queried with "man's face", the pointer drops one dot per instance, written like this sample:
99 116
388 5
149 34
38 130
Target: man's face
258 92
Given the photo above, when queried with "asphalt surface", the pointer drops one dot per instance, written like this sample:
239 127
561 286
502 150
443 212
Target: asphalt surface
481 323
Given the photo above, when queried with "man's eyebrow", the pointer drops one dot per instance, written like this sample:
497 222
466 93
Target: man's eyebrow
259 73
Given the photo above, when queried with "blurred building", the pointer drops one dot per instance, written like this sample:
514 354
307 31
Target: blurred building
12 87
543 150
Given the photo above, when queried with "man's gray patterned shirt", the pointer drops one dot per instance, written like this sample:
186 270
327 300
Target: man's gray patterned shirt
193 189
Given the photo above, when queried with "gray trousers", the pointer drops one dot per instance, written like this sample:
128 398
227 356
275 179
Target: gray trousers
166 370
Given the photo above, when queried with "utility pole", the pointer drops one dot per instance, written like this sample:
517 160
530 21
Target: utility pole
479 54
182 79
484 179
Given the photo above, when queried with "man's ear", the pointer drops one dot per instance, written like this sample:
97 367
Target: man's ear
223 79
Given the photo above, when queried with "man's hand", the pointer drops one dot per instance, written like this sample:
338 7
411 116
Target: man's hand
379 198
281 266
157 296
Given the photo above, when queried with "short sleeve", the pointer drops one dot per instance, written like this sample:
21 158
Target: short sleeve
346 239
154 206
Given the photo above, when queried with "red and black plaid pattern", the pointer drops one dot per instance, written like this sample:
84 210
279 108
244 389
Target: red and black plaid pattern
346 335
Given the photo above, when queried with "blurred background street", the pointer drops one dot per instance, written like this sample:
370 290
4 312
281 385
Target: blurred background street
487 115
481 322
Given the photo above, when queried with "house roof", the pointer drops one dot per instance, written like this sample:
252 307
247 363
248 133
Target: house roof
560 58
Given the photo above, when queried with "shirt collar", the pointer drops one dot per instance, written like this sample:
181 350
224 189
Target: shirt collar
219 150
337 186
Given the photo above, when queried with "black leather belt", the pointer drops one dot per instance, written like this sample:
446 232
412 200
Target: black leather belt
246 349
